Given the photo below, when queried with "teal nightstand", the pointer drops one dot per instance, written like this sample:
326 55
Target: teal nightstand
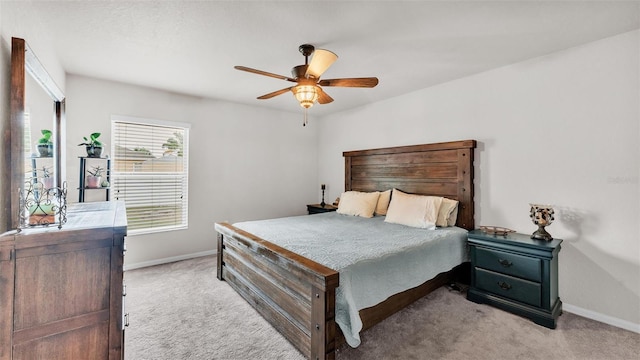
319 209
516 273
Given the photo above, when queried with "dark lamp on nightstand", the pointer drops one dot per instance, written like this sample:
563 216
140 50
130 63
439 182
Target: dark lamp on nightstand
323 187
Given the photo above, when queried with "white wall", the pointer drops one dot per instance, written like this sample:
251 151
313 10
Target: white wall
562 129
245 162
17 19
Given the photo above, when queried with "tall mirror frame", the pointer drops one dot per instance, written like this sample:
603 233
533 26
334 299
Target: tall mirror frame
24 62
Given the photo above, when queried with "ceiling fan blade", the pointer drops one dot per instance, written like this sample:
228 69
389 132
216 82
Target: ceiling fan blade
320 62
368 82
275 93
260 72
323 97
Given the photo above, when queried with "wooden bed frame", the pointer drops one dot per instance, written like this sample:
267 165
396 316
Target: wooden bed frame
297 295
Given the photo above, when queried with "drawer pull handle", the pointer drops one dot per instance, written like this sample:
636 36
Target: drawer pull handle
505 263
503 285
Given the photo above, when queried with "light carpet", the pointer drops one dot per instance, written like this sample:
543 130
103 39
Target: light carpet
182 311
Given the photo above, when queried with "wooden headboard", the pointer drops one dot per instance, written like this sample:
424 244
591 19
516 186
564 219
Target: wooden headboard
441 169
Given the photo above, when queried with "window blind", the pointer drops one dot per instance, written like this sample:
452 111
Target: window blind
150 173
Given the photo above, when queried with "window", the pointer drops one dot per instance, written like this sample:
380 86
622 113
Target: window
150 172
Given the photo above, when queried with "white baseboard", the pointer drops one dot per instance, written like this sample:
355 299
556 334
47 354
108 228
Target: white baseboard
168 260
610 320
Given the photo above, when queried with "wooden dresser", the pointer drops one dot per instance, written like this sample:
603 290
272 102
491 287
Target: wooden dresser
61 290
516 273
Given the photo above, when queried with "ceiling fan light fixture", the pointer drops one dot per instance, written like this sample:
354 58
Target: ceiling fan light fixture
306 95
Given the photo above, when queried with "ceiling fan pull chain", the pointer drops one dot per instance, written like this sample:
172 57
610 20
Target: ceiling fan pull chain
304 122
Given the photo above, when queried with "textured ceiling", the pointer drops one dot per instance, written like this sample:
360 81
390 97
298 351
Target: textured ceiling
191 47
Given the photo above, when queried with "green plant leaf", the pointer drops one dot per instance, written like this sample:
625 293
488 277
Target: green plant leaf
46 137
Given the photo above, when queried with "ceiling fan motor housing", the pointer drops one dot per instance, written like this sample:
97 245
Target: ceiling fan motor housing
298 72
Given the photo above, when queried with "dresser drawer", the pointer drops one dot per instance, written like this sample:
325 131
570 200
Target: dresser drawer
511 264
524 291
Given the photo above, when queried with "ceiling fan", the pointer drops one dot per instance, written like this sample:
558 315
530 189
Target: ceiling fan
308 88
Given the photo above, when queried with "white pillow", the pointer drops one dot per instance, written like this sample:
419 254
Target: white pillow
453 217
383 203
446 211
358 203
413 210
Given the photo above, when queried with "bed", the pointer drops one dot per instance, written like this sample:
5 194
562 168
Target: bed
298 295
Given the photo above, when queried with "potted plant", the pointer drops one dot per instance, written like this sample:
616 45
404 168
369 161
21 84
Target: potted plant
45 144
94 179
47 180
93 145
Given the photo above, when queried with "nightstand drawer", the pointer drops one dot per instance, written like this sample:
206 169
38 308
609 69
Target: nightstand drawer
524 291
511 264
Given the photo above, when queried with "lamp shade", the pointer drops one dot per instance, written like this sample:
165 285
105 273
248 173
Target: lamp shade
320 62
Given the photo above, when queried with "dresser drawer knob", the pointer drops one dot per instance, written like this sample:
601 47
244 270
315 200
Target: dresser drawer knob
503 285
505 263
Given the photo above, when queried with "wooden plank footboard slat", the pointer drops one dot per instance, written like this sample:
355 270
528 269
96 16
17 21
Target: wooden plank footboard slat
295 294
297 265
264 265
275 315
298 305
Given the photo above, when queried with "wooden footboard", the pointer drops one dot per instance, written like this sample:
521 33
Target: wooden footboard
295 294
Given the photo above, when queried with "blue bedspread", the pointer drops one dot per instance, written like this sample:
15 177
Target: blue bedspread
375 259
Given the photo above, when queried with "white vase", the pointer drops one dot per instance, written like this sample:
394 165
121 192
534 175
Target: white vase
93 181
47 183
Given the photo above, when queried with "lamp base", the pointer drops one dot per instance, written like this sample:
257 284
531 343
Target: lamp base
541 234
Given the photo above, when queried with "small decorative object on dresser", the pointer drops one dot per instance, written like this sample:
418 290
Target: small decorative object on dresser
42 206
320 208
496 230
516 273
541 215
322 187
